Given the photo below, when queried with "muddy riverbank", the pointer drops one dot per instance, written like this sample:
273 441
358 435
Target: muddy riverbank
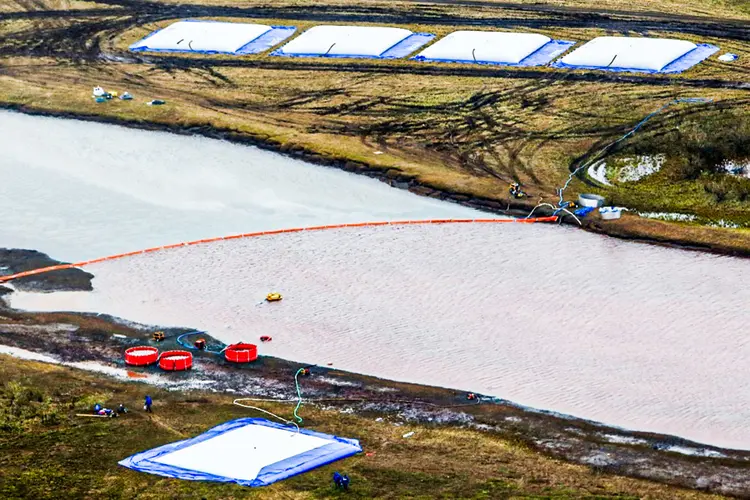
97 342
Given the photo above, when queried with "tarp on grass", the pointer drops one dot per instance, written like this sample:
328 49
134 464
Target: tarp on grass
354 41
633 54
214 37
494 47
246 451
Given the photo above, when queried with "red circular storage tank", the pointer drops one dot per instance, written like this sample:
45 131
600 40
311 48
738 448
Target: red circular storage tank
141 355
241 353
176 360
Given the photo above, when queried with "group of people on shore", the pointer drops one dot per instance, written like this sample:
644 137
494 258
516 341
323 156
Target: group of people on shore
108 412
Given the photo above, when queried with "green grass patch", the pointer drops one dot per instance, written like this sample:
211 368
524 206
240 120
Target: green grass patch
41 458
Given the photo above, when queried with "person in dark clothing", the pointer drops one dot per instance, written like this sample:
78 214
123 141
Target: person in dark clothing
516 191
341 481
122 409
147 404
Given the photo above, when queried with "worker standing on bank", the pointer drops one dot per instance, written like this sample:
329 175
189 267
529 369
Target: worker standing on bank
147 404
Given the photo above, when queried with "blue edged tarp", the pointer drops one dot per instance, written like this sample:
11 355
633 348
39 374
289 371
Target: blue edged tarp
351 43
700 53
407 46
682 63
247 451
269 39
253 45
540 57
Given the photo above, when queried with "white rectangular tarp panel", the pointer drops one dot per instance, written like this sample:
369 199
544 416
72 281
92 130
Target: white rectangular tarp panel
485 46
639 54
344 41
247 451
202 36
243 452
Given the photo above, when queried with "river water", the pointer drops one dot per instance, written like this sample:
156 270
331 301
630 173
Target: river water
626 334
79 190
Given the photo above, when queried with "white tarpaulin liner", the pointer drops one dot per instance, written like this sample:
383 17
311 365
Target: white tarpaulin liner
354 41
652 55
246 451
488 47
214 37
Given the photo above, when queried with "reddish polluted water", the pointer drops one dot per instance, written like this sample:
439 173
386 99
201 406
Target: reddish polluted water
626 334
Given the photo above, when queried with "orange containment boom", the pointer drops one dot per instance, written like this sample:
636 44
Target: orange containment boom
58 267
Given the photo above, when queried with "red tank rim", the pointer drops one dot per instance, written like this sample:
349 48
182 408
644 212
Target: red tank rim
137 348
174 354
242 346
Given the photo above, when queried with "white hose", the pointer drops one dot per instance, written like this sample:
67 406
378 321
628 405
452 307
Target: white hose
556 209
238 403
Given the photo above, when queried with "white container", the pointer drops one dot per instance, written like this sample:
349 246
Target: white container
610 213
728 57
590 200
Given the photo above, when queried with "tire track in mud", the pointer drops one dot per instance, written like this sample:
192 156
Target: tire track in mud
151 13
589 13
418 68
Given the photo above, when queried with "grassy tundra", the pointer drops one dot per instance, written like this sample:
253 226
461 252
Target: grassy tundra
46 450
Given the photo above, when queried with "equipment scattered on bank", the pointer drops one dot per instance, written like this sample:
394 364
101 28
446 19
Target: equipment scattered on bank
157 336
562 206
141 355
273 297
156 102
100 411
200 344
100 95
265 338
728 57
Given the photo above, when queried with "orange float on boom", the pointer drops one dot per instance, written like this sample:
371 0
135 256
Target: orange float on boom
267 233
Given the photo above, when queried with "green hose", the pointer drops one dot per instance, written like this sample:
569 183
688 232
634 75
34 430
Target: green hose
299 395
